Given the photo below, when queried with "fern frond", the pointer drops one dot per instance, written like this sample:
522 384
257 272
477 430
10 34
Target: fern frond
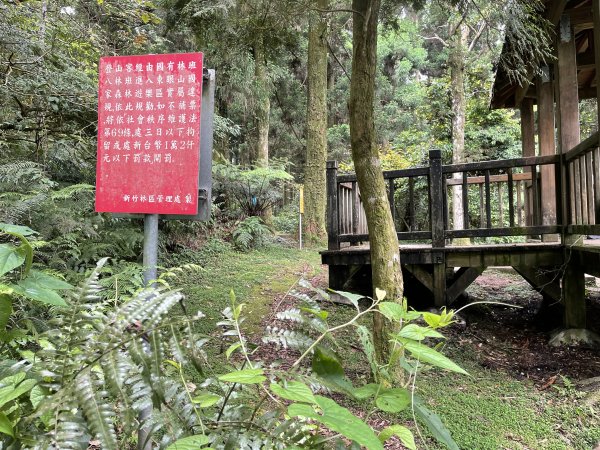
97 411
287 338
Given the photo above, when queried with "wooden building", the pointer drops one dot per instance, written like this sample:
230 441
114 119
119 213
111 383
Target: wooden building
552 193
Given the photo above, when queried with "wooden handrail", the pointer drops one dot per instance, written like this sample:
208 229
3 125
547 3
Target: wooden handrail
583 147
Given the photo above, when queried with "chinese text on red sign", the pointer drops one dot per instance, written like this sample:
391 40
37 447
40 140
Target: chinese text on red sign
149 134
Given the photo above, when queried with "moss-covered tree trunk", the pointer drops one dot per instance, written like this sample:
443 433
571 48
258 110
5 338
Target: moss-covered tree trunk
316 126
263 104
385 254
456 61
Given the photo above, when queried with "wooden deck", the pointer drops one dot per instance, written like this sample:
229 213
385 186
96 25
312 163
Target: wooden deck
507 194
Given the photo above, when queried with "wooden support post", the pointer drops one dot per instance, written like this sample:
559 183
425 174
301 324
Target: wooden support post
568 100
546 134
545 284
391 199
464 277
436 207
465 201
527 145
333 222
573 296
439 280
596 159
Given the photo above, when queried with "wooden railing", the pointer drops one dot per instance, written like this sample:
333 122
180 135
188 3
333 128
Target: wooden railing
582 196
513 197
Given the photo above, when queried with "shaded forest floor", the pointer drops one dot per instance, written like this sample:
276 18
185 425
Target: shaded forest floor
523 394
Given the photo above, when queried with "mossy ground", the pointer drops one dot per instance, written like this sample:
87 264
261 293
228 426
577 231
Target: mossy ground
491 409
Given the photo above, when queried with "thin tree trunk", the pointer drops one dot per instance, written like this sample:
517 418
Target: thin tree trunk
456 61
316 125
263 104
385 254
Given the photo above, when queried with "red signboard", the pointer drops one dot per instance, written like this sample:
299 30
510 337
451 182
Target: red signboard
149 134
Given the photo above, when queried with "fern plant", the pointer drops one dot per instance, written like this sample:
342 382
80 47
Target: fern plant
101 367
250 233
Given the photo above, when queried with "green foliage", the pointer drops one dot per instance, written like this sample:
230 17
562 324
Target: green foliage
250 233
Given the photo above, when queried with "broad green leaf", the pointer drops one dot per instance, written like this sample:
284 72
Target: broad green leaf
430 356
6 425
10 258
11 392
434 424
5 310
393 400
30 289
206 400
338 419
392 311
36 395
16 229
366 391
418 333
366 341
46 281
353 298
327 366
295 391
403 433
247 376
189 443
232 348
438 320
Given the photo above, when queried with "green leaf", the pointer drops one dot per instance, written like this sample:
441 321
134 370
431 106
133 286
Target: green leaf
232 348
327 366
5 310
403 433
338 419
295 391
434 424
247 376
353 298
392 311
418 333
366 391
430 356
10 258
30 289
6 425
206 400
12 391
189 443
16 229
438 320
36 395
393 400
46 281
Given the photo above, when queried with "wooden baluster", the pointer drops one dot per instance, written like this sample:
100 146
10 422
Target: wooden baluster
584 197
597 185
535 197
519 204
465 200
355 205
589 167
445 197
481 208
500 205
411 204
511 200
577 183
488 200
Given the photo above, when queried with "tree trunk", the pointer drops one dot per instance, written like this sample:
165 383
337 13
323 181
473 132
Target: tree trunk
385 254
456 62
316 126
263 104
